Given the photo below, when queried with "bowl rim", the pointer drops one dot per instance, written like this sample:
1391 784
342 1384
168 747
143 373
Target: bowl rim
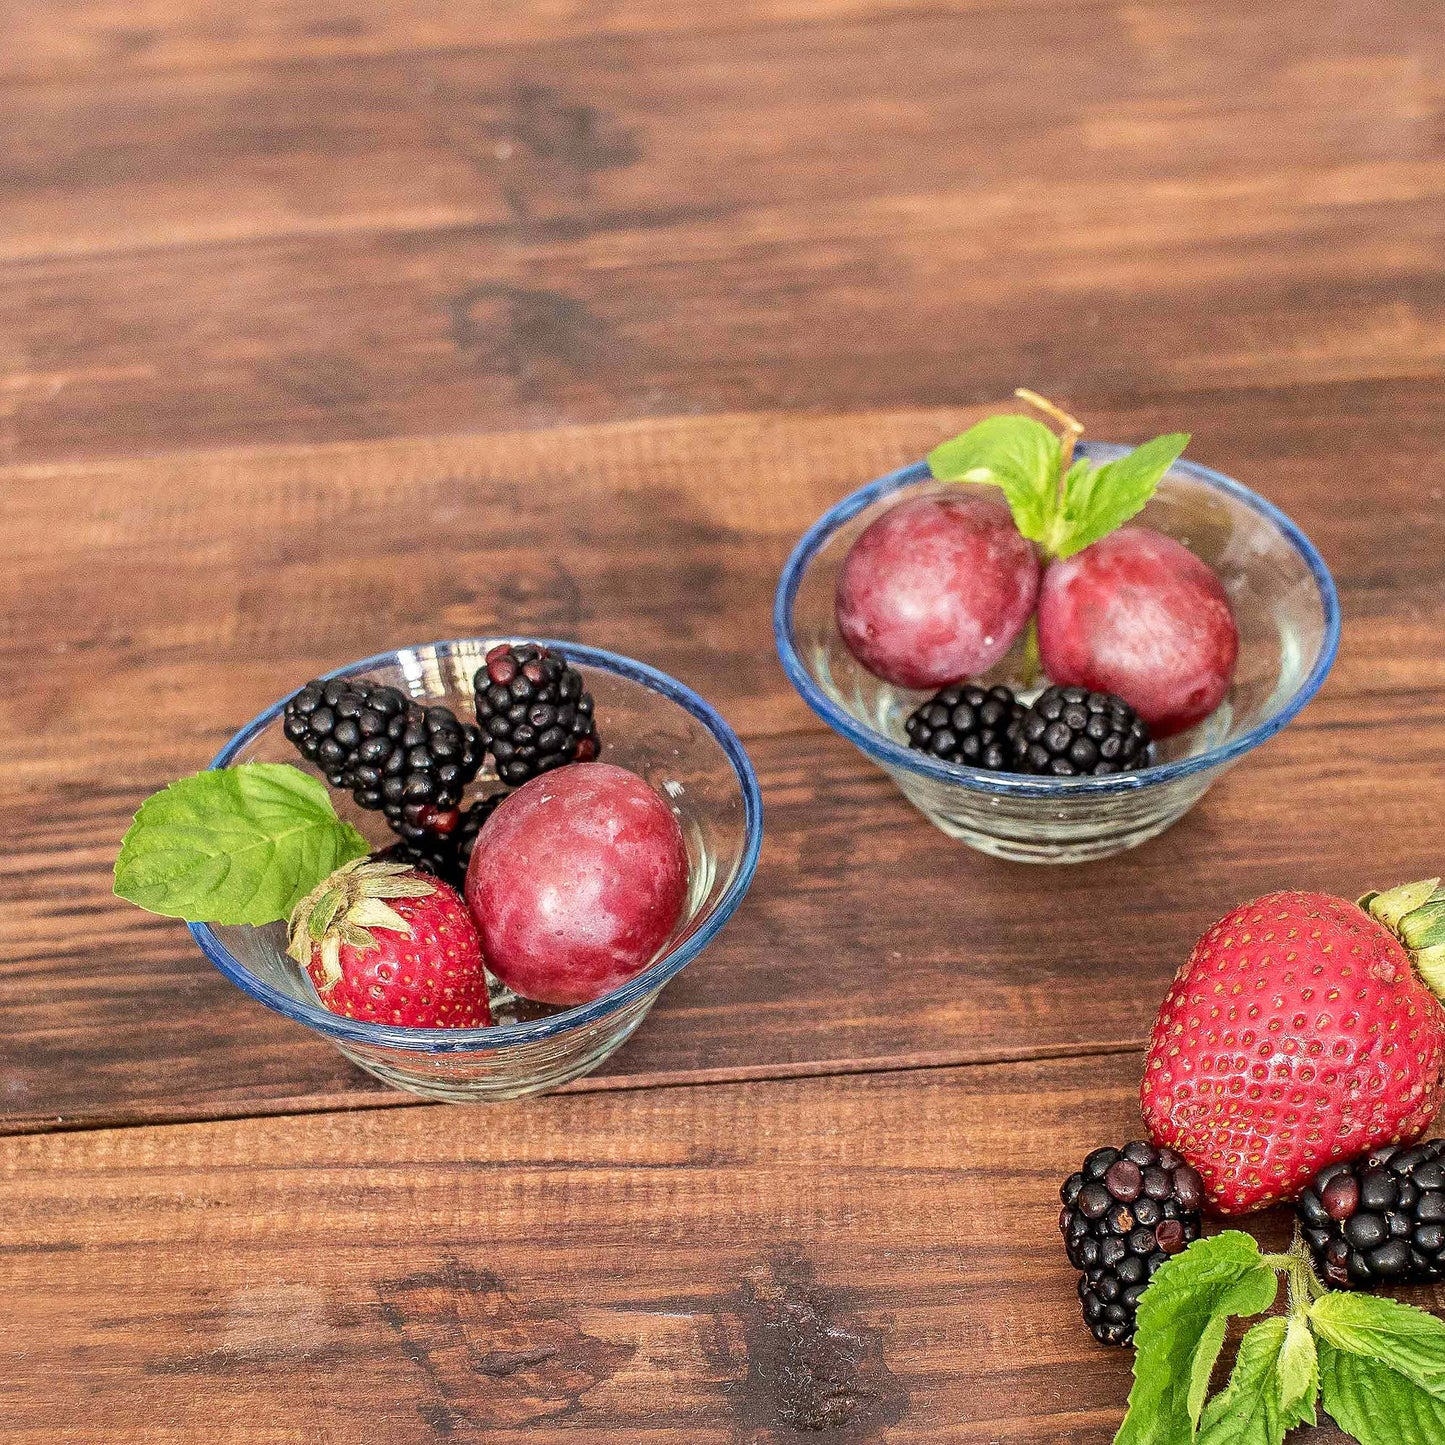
494 1036
892 754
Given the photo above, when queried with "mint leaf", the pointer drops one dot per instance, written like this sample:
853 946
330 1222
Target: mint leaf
1395 1334
1250 1408
234 845
1271 1389
1183 1316
1099 499
1015 453
1375 1402
1299 1374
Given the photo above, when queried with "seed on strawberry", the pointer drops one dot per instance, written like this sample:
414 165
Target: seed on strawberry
1300 1032
384 944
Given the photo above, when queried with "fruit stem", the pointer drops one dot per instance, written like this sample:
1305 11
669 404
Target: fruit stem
1305 1285
1031 663
1415 914
1070 430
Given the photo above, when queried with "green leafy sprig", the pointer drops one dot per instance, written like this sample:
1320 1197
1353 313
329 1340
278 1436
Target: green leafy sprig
234 845
1376 1365
1061 502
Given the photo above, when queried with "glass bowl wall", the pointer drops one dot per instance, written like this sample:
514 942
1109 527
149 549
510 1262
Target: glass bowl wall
650 724
1284 602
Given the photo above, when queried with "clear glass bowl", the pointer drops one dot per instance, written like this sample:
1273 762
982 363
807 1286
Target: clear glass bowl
649 723
1289 624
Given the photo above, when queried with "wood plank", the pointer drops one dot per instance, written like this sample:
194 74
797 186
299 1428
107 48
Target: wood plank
616 1268
49 39
576 231
545 141
220 582
202 587
869 938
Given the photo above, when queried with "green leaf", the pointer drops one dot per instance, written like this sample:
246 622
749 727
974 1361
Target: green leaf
1183 1316
234 845
1394 1334
1099 499
1250 1408
1015 453
1299 1374
1376 1403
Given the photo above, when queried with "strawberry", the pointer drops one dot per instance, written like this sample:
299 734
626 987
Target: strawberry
384 944
1300 1031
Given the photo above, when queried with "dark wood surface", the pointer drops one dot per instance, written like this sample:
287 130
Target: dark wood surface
823 206
328 327
186 594
579 1269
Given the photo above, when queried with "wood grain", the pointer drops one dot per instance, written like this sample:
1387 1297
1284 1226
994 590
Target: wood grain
215 584
869 940
570 230
51 39
177 597
242 249
580 139
602 1269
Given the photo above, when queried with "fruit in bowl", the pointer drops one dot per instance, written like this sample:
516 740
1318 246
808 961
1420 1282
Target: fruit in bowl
382 942
581 882
576 882
1137 614
937 589
1136 629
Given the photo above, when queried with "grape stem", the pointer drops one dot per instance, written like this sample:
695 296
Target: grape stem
1030 664
1070 430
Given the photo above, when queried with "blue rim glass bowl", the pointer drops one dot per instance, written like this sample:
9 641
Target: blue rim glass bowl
649 723
1289 621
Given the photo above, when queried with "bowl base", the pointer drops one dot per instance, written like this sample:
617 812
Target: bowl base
1029 838
457 1079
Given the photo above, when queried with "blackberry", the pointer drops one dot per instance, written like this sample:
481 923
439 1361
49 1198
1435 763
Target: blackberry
1125 1212
965 724
411 762
533 712
1070 732
1379 1219
445 855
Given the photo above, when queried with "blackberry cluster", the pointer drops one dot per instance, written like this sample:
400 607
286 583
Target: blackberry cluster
1379 1219
1067 732
445 855
1070 732
411 762
966 724
1125 1212
533 712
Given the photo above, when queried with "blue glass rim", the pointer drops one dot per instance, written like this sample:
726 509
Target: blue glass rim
657 973
892 754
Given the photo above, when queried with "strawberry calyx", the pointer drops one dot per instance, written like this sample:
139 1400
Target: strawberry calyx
1415 914
344 909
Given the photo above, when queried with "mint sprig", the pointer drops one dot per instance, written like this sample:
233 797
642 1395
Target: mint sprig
1062 503
1183 1316
234 845
1378 1365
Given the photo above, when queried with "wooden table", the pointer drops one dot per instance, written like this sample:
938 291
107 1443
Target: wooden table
332 325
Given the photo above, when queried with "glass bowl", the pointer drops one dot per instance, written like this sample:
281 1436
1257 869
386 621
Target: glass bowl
1289 627
649 723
